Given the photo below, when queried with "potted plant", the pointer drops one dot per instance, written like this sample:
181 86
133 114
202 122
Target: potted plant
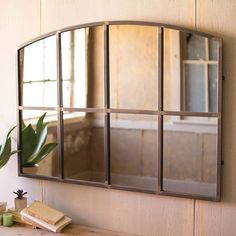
35 148
5 150
20 200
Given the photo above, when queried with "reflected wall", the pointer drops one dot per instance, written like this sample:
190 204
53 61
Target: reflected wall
133 67
84 146
134 152
189 157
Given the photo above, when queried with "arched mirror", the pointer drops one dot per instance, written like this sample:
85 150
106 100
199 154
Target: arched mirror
123 105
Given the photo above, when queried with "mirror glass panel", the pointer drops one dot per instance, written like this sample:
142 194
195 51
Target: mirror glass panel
190 156
134 158
190 72
82 67
84 146
38 73
40 147
133 67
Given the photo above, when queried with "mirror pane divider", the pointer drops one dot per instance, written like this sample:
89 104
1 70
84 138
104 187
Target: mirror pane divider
19 141
59 105
160 108
38 108
19 113
220 103
107 154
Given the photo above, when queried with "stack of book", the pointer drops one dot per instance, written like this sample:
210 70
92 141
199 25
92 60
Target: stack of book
42 216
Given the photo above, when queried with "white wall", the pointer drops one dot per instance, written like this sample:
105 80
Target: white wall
135 213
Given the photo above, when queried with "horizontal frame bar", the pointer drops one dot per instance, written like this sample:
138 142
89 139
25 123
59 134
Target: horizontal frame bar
132 189
126 111
65 180
190 196
21 108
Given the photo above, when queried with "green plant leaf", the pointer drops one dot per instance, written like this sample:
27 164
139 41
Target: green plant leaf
23 125
45 150
5 150
6 145
8 134
6 158
14 152
34 147
29 140
40 125
40 140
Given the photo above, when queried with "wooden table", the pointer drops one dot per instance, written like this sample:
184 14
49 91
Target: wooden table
71 230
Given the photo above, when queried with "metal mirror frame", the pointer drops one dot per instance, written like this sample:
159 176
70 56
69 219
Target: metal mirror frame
160 112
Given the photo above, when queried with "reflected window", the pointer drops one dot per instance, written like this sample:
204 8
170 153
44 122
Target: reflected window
39 73
74 71
190 72
199 73
82 67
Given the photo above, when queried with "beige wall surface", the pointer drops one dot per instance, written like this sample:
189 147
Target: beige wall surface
134 213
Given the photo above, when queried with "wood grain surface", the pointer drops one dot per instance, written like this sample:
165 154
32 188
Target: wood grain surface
70 230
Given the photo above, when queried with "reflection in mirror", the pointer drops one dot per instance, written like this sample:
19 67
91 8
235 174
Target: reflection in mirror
38 73
134 67
190 156
84 146
39 143
82 67
190 72
134 158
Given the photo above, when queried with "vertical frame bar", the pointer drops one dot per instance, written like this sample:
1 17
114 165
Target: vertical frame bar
60 130
19 112
107 159
106 66
20 77
160 108
19 141
219 105
206 65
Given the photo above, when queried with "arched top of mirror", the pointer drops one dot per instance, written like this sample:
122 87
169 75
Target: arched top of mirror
107 23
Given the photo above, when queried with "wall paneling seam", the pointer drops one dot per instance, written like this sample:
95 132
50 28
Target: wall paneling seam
40 17
195 14
194 216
